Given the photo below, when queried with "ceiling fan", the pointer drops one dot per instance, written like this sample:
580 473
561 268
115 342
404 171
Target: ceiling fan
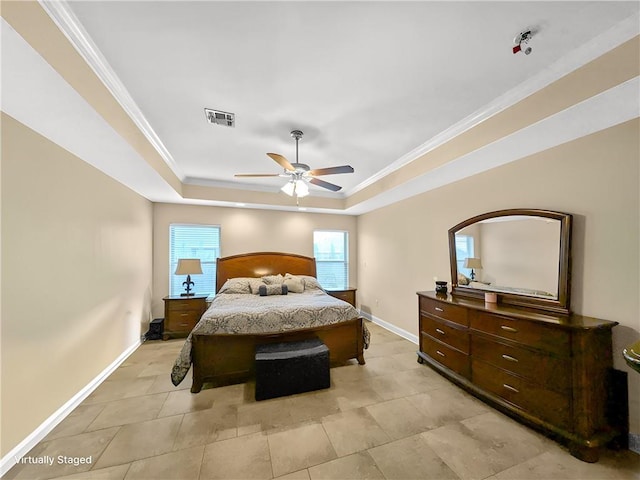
299 174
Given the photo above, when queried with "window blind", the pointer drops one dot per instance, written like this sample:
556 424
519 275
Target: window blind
331 251
194 241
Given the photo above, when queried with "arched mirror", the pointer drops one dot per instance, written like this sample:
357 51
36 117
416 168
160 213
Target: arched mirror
522 255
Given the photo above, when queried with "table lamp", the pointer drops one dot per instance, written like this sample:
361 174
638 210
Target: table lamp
472 263
188 267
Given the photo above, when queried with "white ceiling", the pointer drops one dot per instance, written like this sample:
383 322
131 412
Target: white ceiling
368 82
372 84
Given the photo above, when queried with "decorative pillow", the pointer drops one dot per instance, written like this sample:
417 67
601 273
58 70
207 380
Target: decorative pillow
310 283
255 284
236 285
280 289
273 279
293 283
462 279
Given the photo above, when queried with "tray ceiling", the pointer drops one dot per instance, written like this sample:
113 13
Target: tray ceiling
372 84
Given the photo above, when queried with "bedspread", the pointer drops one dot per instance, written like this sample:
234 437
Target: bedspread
246 313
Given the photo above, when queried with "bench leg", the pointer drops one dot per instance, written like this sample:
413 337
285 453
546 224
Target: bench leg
584 453
196 384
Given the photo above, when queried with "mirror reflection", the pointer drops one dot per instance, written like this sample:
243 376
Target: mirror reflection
510 254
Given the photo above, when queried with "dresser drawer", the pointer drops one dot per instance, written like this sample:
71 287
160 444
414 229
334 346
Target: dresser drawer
457 338
447 356
183 321
552 372
538 335
446 311
542 403
184 305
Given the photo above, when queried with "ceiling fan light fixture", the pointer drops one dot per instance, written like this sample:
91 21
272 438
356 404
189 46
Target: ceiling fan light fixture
302 190
289 188
299 174
298 187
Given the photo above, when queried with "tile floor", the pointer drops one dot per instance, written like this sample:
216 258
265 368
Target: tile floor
391 418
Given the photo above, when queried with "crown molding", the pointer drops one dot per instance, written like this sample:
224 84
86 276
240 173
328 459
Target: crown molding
67 22
604 110
601 44
64 18
205 182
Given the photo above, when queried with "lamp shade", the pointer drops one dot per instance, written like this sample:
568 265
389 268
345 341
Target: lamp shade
472 263
188 266
289 188
298 188
301 188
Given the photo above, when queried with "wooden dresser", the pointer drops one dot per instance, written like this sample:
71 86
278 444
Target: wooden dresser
553 372
182 313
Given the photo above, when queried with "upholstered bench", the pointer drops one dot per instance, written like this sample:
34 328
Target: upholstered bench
291 367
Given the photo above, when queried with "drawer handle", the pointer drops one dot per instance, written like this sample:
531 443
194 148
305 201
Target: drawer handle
184 324
439 331
509 387
440 353
510 358
438 309
184 314
508 329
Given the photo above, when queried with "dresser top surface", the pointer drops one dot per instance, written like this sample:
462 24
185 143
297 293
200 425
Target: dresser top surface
185 297
571 321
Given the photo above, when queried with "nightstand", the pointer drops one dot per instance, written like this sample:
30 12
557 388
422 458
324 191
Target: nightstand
348 295
182 313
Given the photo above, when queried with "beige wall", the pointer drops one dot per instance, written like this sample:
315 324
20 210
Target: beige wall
403 246
522 253
77 260
244 230
76 276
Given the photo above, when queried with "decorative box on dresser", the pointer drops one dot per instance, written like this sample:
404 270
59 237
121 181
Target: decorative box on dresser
182 313
347 294
551 371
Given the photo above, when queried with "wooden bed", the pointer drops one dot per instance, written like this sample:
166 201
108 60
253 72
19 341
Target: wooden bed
229 358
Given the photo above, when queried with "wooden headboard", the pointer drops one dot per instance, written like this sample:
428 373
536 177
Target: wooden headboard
262 263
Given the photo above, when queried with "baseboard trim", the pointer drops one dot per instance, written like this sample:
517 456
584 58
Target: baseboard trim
20 450
392 328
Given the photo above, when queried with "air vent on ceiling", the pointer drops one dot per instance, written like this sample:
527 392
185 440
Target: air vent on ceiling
220 118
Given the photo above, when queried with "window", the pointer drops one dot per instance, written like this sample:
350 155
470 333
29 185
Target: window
331 250
194 241
464 250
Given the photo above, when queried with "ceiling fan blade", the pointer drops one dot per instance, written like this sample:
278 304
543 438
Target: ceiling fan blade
323 184
283 162
257 175
331 170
